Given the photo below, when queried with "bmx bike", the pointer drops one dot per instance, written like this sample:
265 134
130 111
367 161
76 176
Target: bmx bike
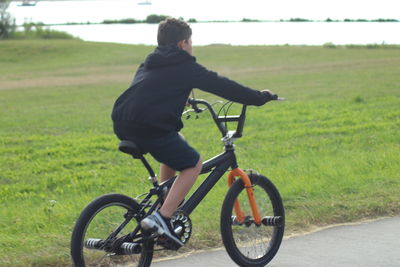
108 231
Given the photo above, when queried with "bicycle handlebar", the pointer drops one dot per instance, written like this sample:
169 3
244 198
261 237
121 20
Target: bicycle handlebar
220 120
194 102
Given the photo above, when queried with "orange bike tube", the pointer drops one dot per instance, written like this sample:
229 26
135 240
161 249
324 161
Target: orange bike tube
247 184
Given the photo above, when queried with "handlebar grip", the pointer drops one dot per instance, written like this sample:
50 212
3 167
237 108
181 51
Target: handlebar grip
274 97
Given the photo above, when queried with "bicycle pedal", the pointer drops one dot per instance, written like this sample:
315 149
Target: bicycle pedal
151 226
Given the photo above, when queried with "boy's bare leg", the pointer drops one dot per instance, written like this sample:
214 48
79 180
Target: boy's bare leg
166 173
179 189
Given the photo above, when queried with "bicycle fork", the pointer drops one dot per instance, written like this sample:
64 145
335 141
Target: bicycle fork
240 216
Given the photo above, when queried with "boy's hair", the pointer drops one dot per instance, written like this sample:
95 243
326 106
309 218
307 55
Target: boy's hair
171 31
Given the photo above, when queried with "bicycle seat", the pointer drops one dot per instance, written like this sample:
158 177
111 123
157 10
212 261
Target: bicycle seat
130 148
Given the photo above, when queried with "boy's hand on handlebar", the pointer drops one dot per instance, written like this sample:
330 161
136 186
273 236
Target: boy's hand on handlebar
270 94
268 91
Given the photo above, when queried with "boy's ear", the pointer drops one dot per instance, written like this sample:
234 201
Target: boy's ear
181 43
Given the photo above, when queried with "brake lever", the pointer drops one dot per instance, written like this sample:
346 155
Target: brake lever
187 113
197 109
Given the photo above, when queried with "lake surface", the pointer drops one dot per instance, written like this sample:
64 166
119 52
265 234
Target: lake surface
235 33
247 33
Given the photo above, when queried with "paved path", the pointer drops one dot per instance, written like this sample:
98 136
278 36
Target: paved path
367 244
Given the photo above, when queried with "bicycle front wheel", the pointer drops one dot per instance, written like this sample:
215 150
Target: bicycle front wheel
98 233
247 243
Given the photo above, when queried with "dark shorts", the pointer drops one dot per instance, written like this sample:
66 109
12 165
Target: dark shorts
170 149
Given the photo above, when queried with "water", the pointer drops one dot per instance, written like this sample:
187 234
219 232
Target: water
264 33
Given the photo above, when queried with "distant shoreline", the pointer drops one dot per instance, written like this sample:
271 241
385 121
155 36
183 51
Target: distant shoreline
134 21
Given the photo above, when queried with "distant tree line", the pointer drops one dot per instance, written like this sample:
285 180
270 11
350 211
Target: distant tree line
373 20
152 19
158 18
345 20
249 20
299 20
7 23
38 31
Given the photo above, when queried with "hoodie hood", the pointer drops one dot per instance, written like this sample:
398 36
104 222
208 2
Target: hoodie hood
165 55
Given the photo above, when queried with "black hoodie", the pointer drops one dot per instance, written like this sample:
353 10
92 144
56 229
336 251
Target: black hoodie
154 102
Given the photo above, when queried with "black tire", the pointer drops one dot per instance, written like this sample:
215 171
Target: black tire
252 245
98 220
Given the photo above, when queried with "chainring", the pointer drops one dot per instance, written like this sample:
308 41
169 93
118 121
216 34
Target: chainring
182 225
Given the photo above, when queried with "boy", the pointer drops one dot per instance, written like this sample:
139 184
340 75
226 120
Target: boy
149 113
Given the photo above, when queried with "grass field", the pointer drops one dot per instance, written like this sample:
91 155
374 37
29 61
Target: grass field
332 149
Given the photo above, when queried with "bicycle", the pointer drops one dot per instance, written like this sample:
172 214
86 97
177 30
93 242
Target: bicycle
252 219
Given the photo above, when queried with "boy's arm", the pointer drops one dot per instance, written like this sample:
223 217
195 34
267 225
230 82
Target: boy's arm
211 82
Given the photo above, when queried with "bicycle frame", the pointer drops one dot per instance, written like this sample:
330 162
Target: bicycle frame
217 165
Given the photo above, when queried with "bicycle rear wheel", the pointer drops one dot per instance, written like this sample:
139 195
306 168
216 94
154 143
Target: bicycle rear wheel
249 244
109 214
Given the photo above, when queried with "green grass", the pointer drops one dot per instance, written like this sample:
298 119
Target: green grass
332 149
